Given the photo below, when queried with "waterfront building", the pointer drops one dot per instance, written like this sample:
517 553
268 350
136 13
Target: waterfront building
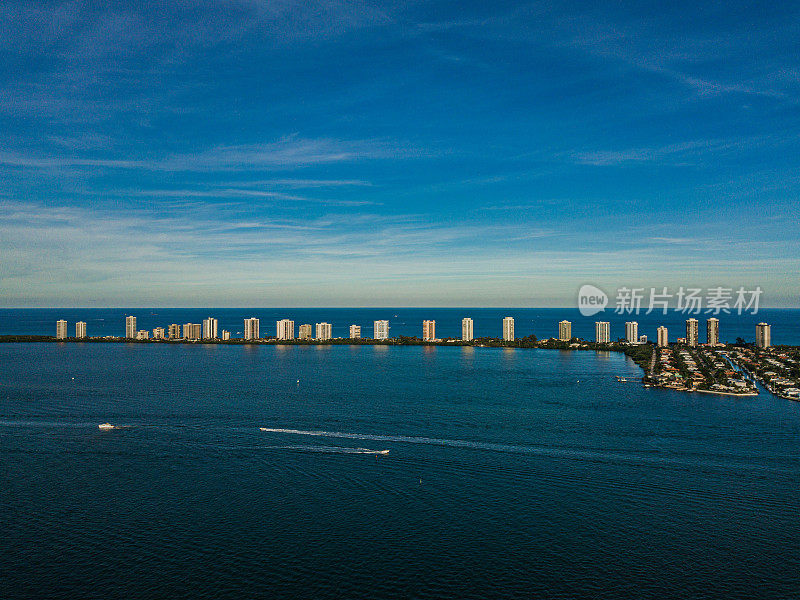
642 339
158 333
429 330
210 328
602 332
508 329
130 327
285 329
355 332
763 335
381 330
61 329
192 331
323 331
691 332
226 335
564 331
143 334
712 332
466 330
663 337
174 331
80 329
305 331
632 332
252 330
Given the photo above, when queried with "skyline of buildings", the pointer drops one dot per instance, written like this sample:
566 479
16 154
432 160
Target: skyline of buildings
208 330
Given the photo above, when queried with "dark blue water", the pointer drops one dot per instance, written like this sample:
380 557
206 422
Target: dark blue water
542 322
511 474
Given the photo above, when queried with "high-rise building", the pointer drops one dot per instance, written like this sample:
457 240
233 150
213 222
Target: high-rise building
602 332
252 330
632 332
192 331
763 335
61 329
466 330
305 331
210 328
174 331
381 330
691 332
564 331
158 333
355 332
712 331
80 329
130 327
143 334
508 329
663 337
285 329
226 335
323 331
429 330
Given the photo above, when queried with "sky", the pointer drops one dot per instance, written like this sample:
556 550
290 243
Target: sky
463 153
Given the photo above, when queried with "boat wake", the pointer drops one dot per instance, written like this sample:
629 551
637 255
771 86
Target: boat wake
328 449
401 438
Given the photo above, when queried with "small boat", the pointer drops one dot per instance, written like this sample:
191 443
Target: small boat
106 426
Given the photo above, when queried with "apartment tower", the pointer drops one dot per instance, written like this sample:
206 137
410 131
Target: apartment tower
602 332
508 329
564 331
466 330
429 330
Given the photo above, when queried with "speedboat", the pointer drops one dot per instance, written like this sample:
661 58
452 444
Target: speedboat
106 426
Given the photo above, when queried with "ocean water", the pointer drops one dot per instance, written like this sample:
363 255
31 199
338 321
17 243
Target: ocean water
510 474
542 322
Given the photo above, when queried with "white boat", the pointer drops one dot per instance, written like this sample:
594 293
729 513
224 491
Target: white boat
106 426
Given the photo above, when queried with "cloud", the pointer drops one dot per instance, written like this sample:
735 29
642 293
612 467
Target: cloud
288 152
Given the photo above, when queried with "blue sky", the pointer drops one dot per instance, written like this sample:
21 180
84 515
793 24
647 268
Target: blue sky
397 154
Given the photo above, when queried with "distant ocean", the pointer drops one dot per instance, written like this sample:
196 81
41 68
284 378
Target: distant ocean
542 322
